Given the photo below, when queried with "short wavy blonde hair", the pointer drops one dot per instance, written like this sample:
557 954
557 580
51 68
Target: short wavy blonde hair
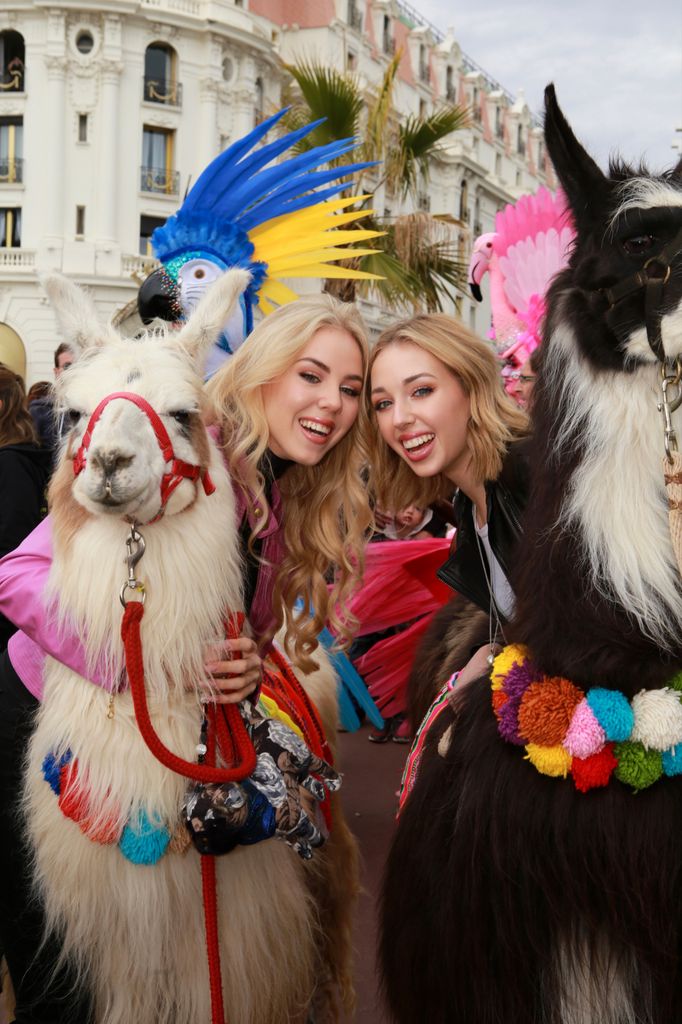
494 421
325 507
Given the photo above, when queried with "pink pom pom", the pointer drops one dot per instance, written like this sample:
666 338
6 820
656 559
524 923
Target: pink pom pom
585 735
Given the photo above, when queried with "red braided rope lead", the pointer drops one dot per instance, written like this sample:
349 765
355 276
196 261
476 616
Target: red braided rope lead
230 736
245 755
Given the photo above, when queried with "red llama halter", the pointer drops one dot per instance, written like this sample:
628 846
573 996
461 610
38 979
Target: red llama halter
178 470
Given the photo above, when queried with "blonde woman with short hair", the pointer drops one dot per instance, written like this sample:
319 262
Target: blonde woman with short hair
442 423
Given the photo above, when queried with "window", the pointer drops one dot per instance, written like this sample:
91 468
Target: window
520 141
160 75
422 108
80 221
84 42
449 84
423 64
147 227
351 61
464 203
12 57
157 174
11 149
498 165
82 127
10 227
499 123
258 111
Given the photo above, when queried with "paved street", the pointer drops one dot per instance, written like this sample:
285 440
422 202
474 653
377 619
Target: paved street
371 777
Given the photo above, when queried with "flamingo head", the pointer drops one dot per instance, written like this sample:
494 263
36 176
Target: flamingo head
479 264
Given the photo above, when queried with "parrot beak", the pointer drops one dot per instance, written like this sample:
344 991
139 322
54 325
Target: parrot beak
158 298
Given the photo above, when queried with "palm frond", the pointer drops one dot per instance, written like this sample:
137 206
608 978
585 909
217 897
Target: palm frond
379 112
418 139
330 94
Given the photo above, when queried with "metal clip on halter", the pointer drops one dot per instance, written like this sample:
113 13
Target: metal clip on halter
136 546
668 406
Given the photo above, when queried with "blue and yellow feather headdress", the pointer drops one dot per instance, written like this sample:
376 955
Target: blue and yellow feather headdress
278 220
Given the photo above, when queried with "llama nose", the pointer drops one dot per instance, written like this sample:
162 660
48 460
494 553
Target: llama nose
109 462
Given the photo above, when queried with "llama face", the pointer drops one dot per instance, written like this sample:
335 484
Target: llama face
124 463
623 221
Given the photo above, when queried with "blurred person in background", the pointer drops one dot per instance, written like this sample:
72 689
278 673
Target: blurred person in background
42 410
524 380
24 472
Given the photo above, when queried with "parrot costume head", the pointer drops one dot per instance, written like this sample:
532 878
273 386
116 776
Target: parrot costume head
276 221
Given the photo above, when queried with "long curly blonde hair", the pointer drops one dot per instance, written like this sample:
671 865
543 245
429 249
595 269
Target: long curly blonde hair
494 420
325 507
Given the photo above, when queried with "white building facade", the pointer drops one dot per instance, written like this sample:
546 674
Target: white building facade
109 110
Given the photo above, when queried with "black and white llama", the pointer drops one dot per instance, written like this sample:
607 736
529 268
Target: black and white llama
514 897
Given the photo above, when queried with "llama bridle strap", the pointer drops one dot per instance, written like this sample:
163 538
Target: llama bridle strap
653 278
178 470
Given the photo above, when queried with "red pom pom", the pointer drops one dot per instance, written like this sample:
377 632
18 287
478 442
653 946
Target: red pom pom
500 698
74 803
594 771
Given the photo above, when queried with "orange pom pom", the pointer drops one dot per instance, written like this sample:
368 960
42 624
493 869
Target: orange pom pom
546 711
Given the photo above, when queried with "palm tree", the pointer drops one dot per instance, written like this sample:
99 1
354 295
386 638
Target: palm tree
420 263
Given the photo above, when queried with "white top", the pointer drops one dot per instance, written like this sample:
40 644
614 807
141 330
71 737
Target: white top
502 592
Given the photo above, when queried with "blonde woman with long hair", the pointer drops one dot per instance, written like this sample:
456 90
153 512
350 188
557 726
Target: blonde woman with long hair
293 425
442 423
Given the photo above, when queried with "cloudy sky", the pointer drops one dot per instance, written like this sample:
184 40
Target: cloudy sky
616 64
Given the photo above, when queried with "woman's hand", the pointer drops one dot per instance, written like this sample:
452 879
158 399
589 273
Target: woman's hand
477 665
235 669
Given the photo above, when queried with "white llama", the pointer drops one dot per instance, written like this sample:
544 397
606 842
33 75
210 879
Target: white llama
137 932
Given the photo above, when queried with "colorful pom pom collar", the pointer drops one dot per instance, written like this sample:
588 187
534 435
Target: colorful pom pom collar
591 735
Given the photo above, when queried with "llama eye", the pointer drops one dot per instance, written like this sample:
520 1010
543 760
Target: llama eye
73 416
181 417
638 245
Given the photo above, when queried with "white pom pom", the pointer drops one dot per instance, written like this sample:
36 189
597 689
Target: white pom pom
658 718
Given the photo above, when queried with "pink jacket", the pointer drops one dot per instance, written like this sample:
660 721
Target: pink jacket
23 578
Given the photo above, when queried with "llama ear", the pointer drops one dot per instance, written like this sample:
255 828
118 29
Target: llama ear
206 322
75 312
581 179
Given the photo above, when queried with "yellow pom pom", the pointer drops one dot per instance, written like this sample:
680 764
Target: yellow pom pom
554 761
512 654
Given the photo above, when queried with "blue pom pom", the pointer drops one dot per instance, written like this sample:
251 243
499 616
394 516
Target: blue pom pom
260 823
612 710
51 769
672 760
144 841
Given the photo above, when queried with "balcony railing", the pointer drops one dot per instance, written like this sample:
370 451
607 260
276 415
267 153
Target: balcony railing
450 93
424 73
11 170
138 265
499 130
159 90
12 81
424 202
158 179
17 259
521 147
389 45
354 17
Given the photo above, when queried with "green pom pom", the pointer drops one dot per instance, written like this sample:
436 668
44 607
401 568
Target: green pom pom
637 766
676 682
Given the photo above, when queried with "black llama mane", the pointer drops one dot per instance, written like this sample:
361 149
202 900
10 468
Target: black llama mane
509 897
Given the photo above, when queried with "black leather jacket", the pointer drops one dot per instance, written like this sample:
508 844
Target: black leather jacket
507 497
